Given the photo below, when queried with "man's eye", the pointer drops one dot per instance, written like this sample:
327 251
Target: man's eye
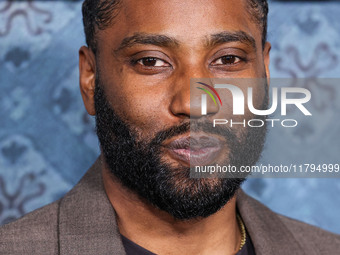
152 62
227 60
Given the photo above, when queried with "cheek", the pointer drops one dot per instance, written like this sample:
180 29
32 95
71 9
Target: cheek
141 109
141 102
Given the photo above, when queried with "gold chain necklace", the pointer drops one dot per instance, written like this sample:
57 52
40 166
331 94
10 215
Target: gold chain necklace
243 230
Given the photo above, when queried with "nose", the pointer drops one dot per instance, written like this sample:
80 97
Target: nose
187 97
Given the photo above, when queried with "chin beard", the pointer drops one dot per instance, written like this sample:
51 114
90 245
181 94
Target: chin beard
139 167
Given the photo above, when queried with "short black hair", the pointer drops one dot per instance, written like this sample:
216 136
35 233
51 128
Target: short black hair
258 10
99 14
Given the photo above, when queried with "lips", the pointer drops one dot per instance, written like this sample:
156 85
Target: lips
195 150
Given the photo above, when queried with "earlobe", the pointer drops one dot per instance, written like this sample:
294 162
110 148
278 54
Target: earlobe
87 76
266 56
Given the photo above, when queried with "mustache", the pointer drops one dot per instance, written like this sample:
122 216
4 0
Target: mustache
193 126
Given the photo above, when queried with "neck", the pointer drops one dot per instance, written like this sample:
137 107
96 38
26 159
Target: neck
159 232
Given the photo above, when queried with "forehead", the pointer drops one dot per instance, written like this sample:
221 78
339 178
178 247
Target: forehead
188 21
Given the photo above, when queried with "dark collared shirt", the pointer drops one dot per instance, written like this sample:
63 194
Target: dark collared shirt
132 248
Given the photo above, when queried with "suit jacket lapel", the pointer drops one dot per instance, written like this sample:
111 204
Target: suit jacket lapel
87 221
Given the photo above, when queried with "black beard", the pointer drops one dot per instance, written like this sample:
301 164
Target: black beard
138 165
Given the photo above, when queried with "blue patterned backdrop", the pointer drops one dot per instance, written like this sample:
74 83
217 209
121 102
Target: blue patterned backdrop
47 140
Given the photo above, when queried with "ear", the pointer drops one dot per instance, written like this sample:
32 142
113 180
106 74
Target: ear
87 76
266 59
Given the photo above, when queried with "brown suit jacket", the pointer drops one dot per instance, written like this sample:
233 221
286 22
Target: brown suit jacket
83 222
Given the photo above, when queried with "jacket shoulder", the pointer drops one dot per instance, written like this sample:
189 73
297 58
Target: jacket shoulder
34 233
308 235
273 233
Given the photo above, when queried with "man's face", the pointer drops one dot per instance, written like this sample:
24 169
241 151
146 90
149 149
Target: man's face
147 84
144 64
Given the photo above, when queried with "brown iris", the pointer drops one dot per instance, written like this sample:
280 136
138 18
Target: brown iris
149 61
228 60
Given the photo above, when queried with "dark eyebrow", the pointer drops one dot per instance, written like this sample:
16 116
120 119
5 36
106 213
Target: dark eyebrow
225 37
143 38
